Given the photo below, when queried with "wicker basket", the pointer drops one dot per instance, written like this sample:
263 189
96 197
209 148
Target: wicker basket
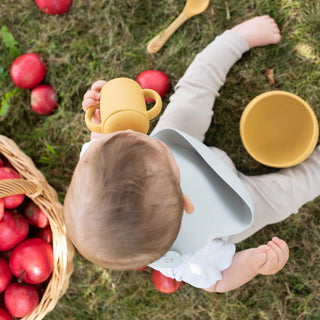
34 185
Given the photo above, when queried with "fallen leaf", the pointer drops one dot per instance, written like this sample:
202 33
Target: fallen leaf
270 77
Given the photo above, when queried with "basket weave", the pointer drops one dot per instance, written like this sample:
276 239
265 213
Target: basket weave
34 185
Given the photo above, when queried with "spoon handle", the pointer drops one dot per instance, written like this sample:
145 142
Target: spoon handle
161 38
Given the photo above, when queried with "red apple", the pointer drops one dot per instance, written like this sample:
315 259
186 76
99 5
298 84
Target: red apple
1 208
155 80
11 202
44 234
4 315
21 299
54 6
5 274
32 261
165 284
44 100
14 228
35 216
28 70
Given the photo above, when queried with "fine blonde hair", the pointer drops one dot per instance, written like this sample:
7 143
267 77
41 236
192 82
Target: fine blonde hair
124 205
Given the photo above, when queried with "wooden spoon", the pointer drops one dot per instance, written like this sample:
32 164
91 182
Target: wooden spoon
191 8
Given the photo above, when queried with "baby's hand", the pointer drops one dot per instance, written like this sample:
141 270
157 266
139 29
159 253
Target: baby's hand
271 258
92 98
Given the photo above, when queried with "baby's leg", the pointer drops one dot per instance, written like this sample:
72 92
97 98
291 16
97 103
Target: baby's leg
278 195
190 107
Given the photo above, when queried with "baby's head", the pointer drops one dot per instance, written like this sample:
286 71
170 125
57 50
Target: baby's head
124 205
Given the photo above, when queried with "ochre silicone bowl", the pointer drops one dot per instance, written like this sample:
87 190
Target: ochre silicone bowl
279 129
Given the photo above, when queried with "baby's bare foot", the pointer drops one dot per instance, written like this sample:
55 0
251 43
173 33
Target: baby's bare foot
259 31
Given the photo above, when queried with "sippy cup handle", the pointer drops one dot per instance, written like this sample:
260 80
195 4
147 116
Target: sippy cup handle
92 126
155 110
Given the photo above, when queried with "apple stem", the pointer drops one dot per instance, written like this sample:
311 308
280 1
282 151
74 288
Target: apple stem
21 277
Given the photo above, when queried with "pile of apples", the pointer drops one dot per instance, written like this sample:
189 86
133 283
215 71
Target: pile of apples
27 72
26 254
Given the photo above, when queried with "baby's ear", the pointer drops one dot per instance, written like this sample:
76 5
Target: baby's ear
187 204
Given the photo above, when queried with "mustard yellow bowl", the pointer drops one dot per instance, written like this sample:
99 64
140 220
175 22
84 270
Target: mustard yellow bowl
279 129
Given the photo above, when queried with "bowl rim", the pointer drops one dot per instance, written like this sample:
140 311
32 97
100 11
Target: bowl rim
313 141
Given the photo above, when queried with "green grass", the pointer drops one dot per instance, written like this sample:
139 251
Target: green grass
106 39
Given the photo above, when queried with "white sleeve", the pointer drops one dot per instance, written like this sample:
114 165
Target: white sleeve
203 268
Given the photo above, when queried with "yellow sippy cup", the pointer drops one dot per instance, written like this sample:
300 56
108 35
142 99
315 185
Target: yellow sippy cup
123 106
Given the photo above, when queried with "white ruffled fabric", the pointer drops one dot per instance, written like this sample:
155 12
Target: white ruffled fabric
203 268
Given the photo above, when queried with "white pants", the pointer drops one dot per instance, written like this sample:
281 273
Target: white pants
275 196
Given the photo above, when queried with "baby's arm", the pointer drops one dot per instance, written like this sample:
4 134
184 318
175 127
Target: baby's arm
90 99
266 259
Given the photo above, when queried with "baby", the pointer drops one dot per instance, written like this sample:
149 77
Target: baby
124 205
